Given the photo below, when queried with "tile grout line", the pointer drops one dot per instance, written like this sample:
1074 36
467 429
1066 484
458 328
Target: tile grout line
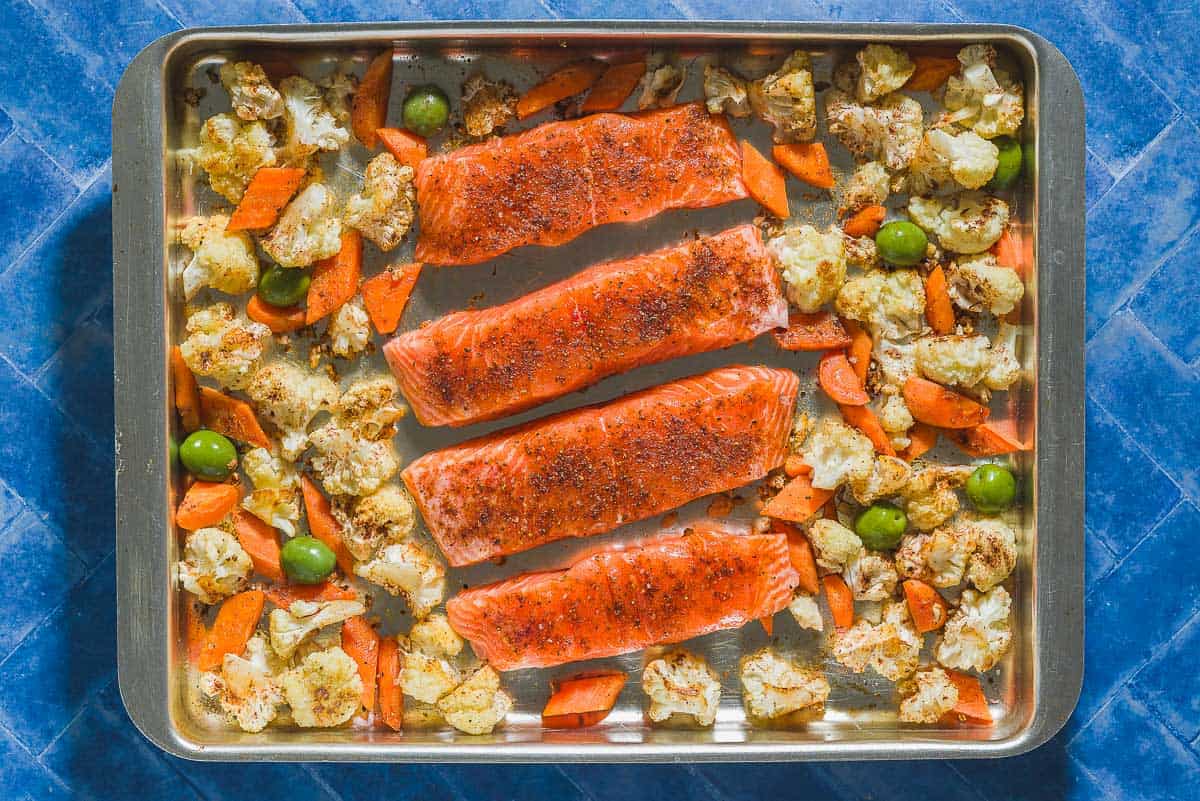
34 758
982 796
1156 655
1153 529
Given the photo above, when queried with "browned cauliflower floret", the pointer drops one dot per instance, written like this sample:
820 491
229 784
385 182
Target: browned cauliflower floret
275 498
301 621
477 705
868 186
971 222
383 211
834 545
882 69
862 252
408 569
223 260
978 632
891 648
434 636
813 262
979 283
891 303
487 105
308 229
982 97
289 396
384 517
896 420
214 566
222 346
773 686
888 132
806 613
427 677
786 99
231 151
311 125
929 695
837 453
324 689
250 91
871 576
946 159
930 498
681 683
939 558
661 83
349 329
246 689
888 476
995 553
371 406
349 465
725 93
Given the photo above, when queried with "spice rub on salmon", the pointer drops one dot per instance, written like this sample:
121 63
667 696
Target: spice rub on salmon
702 295
620 599
548 185
590 470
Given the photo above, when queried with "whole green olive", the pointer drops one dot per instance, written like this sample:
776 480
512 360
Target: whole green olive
991 488
901 243
307 560
881 526
208 455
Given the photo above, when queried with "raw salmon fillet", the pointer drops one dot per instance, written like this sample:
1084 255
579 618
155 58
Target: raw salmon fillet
548 185
592 469
622 599
704 295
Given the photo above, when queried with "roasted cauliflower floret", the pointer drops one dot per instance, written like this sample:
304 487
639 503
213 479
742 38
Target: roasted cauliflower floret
349 329
340 86
868 186
308 230
871 576
384 517
324 689
478 704
888 476
1006 367
882 69
487 105
995 553
928 696
888 132
981 97
222 346
954 360
370 406
246 688
979 283
896 420
411 570
223 260
434 636
806 613
311 125
725 93
773 686
930 498
250 91
891 648
891 303
786 99
971 222
231 151
837 453
214 566
944 159
289 396
383 211
349 465
661 83
938 558
862 252
978 632
897 363
303 619
275 499
427 677
814 264
834 545
681 683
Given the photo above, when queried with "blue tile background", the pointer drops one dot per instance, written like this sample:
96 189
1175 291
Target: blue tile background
63 731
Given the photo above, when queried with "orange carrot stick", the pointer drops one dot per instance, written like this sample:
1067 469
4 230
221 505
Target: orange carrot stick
862 418
794 465
260 542
859 352
1008 252
809 332
284 595
934 404
195 632
972 706
236 620
564 82
865 222
797 501
764 182
368 108
614 87
360 641
921 439
409 148
841 600
582 701
187 391
838 379
391 697
930 72
386 295
801 555
323 525
231 417
926 605
206 504
988 439
808 161
268 192
279 319
939 311
335 280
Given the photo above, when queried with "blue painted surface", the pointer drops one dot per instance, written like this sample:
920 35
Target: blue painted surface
63 732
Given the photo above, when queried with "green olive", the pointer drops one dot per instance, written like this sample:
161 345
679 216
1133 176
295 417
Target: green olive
426 110
991 488
901 243
1009 168
208 455
307 560
881 526
283 286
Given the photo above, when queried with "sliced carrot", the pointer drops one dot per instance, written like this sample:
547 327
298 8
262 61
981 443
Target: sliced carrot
972 706
323 525
859 352
921 439
368 108
797 501
838 379
268 192
391 696
801 555
865 222
335 280
385 295
284 595
409 148
280 320
195 632
841 600
1008 251
764 182
232 417
988 439
930 72
808 161
808 332
939 311
614 87
261 544
928 608
564 82
794 465
235 624
360 641
206 504
862 418
934 404
187 391
768 624
582 701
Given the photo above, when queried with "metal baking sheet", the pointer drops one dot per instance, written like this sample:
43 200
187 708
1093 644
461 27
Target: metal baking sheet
1034 689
